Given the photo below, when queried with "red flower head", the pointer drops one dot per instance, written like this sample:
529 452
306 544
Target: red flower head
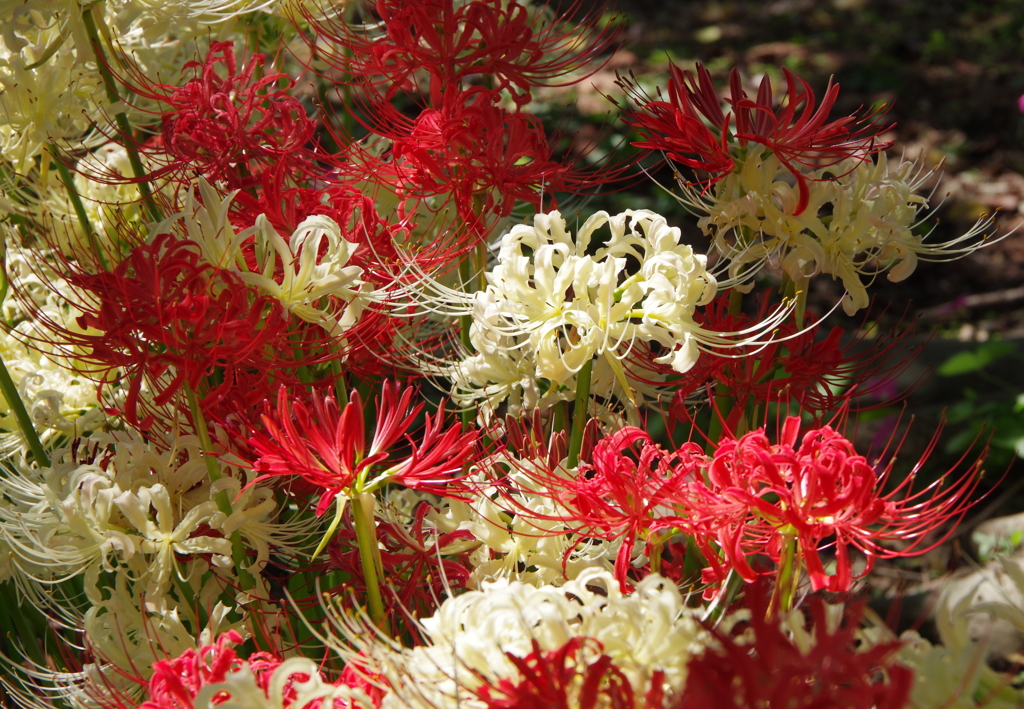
773 672
486 158
820 377
166 317
576 675
798 132
819 494
625 493
515 46
230 125
176 683
328 449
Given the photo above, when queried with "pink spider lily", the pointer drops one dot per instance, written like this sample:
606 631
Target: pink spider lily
772 671
328 448
817 492
692 129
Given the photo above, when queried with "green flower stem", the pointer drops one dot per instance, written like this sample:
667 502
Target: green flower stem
120 118
340 385
29 636
580 413
369 557
238 555
76 201
735 302
785 582
10 392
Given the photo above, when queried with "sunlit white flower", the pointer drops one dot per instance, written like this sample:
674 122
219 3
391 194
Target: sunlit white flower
555 301
648 634
863 218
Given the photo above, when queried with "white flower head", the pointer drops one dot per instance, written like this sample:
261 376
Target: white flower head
649 635
555 302
863 218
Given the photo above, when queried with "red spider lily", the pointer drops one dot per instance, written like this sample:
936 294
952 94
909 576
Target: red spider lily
819 377
421 566
798 132
230 125
177 683
453 41
821 493
328 449
576 675
771 671
485 157
166 317
623 496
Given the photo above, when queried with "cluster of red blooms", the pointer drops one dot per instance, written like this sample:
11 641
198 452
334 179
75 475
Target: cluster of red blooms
751 498
817 376
455 61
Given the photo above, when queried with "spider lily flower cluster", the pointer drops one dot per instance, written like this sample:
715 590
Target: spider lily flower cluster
848 215
292 419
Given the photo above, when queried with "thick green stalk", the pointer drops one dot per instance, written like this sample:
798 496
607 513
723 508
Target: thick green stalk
120 118
580 413
735 302
10 392
340 390
785 581
722 406
369 555
76 200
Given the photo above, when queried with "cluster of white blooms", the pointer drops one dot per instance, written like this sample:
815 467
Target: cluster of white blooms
863 218
139 522
648 634
555 301
44 100
59 393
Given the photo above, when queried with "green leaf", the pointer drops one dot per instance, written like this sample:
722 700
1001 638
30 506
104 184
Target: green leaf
966 362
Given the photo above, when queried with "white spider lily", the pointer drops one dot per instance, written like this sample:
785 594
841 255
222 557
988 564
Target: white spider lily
164 535
308 279
206 223
59 100
648 634
320 288
863 218
555 302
